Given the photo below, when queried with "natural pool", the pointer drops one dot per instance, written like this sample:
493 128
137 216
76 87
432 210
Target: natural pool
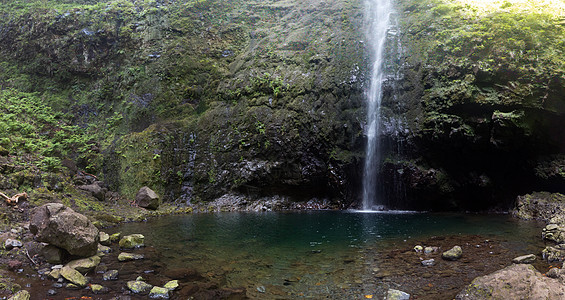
310 254
331 254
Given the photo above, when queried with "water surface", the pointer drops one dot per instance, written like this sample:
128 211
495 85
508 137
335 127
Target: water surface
313 254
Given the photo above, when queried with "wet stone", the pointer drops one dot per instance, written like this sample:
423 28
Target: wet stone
524 259
139 287
110 275
132 241
397 295
428 262
123 257
159 293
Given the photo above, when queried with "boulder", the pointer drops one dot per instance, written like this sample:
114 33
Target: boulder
452 254
60 226
159 293
541 206
95 190
84 265
524 259
73 276
132 241
139 287
147 198
518 281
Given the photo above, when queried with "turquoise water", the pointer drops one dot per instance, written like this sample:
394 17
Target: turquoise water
313 254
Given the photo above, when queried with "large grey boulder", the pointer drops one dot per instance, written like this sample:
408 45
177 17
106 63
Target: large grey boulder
147 198
60 226
518 281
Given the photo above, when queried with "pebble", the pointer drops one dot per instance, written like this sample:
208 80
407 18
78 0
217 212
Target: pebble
51 292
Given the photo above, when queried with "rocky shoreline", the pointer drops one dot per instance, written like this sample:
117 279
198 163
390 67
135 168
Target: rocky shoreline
31 252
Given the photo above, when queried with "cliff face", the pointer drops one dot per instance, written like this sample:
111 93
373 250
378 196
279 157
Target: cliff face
203 98
481 96
200 98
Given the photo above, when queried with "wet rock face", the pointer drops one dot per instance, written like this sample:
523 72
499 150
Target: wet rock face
525 280
60 226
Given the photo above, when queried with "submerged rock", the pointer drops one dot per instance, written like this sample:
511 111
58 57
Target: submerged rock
518 281
21 295
73 276
139 287
132 241
159 293
392 294
123 257
452 254
98 289
110 275
59 225
172 285
147 198
524 259
428 262
84 265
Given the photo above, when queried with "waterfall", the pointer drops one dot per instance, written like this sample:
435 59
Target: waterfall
377 19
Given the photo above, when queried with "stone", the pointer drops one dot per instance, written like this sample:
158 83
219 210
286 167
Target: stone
104 239
10 244
554 253
54 274
418 248
21 295
52 254
524 259
132 241
553 273
95 190
159 293
428 262
392 294
554 233
123 257
110 275
103 249
60 226
115 237
172 285
452 254
72 286
518 281
139 287
98 289
85 265
14 264
428 250
73 276
147 198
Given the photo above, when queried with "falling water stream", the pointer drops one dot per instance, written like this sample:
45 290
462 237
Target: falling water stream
378 19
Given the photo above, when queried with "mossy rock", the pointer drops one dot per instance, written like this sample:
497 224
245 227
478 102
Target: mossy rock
132 241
